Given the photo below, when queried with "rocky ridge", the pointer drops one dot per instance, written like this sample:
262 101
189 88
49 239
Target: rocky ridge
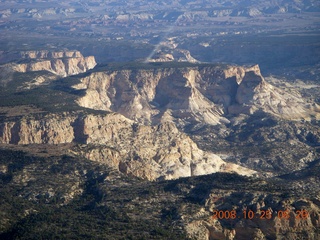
172 54
139 133
151 107
190 95
61 63
218 9
160 151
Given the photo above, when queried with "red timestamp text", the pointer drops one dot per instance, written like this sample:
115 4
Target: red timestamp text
262 214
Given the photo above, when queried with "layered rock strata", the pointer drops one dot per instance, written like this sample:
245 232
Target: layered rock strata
150 152
190 95
62 63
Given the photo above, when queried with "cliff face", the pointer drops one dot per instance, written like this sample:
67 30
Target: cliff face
254 93
52 129
141 136
157 152
62 128
62 63
153 96
190 95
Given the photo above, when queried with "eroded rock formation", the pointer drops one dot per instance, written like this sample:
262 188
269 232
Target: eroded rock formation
150 106
190 95
61 63
150 152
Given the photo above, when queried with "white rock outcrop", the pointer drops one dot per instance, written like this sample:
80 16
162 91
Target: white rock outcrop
254 93
62 63
190 95
150 152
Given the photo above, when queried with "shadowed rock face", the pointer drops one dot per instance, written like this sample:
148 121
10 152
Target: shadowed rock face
228 112
150 96
142 136
254 92
157 152
67 186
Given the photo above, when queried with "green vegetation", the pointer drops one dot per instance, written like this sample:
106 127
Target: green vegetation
63 197
44 97
57 96
93 214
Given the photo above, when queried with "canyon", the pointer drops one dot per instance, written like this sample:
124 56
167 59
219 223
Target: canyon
176 119
206 136
150 107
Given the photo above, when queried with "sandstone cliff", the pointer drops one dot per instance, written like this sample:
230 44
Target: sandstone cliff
254 93
62 63
51 129
153 96
150 152
190 94
149 105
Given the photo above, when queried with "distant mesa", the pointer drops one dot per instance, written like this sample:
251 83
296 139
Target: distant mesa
45 54
177 55
61 63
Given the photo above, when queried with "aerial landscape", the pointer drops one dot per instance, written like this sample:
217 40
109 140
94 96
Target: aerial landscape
154 119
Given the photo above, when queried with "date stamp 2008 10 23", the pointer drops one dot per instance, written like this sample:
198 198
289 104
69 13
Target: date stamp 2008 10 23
262 214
